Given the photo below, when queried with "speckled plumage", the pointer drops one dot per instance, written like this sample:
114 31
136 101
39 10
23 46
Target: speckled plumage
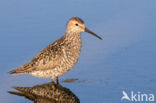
60 56
57 58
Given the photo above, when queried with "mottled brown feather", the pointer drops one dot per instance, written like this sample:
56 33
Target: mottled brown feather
50 53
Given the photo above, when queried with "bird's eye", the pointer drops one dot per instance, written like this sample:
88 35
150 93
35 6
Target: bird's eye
77 24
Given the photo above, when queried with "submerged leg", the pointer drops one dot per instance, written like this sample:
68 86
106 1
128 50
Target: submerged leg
52 80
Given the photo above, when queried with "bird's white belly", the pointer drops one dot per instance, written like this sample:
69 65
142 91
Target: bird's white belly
42 74
64 66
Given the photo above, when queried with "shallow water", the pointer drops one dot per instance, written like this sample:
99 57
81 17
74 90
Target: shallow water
123 61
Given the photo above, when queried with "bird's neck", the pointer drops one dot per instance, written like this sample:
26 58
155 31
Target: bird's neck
73 40
74 37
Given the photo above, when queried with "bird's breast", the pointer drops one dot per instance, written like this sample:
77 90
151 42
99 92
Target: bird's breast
71 54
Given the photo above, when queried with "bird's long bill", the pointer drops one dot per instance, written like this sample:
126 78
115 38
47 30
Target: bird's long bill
89 31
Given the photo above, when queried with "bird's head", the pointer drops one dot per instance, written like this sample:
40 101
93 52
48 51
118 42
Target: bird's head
76 24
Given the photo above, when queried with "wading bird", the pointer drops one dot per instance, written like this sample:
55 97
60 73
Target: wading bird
60 56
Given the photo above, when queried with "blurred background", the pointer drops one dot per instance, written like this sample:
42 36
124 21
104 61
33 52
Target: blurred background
124 60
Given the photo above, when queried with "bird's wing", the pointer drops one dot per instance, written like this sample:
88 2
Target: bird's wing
51 54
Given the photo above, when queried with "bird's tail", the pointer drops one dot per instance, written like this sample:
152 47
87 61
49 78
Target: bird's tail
20 70
15 72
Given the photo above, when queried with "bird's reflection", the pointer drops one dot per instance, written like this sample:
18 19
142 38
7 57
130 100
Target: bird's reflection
47 93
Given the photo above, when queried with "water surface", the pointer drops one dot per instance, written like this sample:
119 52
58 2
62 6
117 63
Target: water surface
123 60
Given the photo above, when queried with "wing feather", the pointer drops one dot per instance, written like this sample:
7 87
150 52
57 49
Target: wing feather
50 54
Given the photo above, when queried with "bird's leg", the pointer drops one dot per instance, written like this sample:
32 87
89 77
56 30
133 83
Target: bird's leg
52 81
57 80
53 85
